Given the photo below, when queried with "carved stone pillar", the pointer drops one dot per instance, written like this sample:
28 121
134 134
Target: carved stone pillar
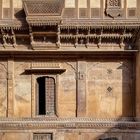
10 88
81 89
0 9
138 86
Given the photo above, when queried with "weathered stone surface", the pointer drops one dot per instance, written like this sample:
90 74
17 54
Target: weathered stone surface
67 91
110 89
16 136
22 90
3 89
92 59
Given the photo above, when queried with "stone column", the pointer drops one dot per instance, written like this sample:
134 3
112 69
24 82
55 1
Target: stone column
88 7
77 9
11 9
102 8
138 86
81 89
138 8
1 9
10 88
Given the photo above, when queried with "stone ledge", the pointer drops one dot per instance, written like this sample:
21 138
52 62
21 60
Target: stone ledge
67 123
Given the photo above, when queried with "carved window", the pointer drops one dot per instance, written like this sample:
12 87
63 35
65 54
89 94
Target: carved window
46 96
46 136
114 3
95 12
82 3
69 3
113 8
83 13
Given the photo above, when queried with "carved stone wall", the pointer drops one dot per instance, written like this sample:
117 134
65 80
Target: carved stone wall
22 90
67 91
109 93
63 135
110 89
15 136
3 89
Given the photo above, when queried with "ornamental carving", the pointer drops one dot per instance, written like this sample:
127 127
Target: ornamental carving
113 8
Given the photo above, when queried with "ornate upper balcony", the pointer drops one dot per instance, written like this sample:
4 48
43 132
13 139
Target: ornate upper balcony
106 25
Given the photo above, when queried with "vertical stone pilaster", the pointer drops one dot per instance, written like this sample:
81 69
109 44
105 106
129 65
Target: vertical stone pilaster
10 88
125 8
77 9
88 8
102 8
11 9
138 86
1 9
81 89
56 97
33 97
59 136
138 8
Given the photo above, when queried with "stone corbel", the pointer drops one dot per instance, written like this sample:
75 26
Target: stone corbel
3 38
14 38
31 35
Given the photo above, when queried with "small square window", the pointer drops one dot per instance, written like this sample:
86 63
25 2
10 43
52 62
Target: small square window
43 136
6 13
131 12
95 12
83 13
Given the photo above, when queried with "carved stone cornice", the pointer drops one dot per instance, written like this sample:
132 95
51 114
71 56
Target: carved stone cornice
67 123
44 21
101 23
14 24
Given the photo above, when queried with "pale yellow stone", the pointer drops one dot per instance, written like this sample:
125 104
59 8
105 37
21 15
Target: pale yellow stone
16 136
122 3
69 3
6 3
95 4
17 3
82 3
131 4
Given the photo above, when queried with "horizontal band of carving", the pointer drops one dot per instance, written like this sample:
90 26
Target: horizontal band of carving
79 123
16 24
101 23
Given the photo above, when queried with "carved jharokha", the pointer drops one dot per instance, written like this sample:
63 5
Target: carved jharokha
69 70
60 36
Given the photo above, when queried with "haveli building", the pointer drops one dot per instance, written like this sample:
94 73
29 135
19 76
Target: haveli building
69 70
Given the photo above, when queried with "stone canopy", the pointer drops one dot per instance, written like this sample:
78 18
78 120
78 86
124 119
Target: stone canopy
42 11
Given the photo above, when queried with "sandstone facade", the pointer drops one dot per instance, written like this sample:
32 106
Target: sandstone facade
69 70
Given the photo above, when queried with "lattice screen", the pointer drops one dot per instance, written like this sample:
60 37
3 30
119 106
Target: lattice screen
46 136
